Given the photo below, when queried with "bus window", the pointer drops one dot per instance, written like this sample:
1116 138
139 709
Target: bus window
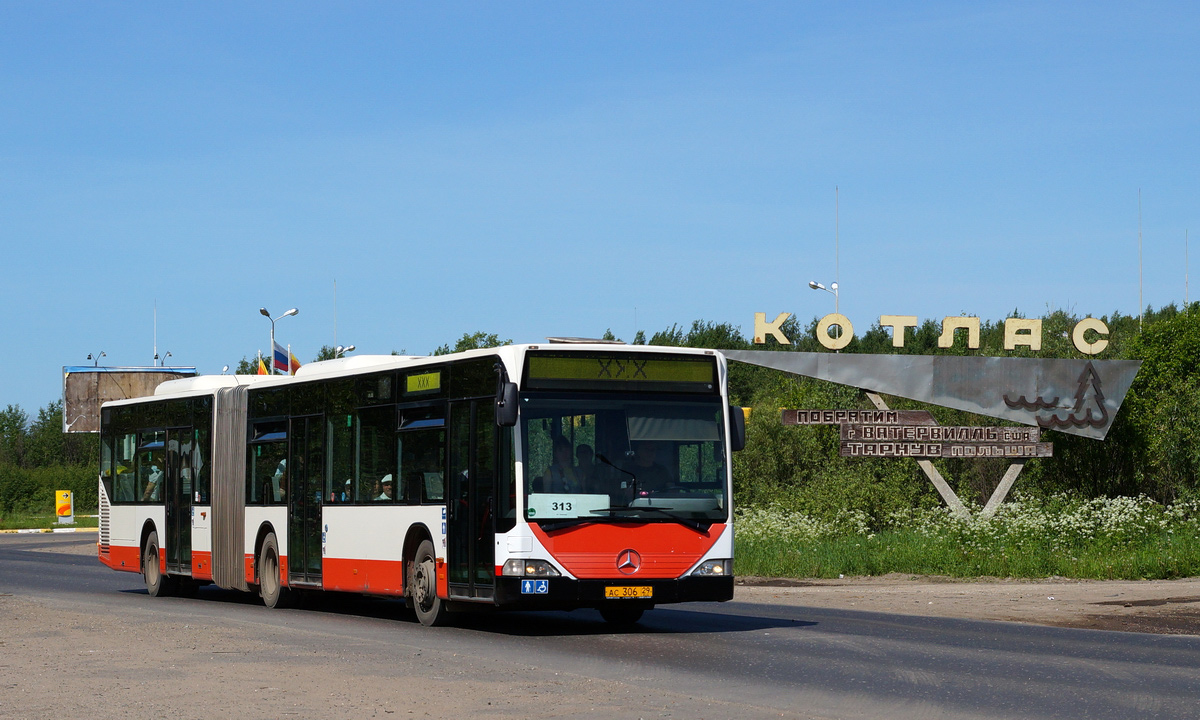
106 462
191 465
339 488
125 450
194 455
266 482
151 465
376 455
619 456
420 448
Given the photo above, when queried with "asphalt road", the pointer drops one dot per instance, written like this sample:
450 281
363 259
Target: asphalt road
733 659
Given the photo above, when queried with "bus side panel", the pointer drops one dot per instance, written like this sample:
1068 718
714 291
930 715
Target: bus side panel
257 517
364 546
201 542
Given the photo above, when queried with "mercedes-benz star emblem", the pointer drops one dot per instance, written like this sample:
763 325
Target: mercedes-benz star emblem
629 562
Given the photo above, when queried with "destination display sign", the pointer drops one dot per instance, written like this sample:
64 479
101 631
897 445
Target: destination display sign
640 370
941 434
423 383
945 450
858 417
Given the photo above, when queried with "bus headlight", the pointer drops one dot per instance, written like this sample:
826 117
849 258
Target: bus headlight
528 568
714 568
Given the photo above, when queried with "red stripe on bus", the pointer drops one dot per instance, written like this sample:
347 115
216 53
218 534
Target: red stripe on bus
667 550
443 580
201 565
122 557
377 577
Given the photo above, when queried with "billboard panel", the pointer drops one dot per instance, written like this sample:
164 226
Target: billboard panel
86 388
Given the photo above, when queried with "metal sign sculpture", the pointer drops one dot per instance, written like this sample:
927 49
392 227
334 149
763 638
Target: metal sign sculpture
1078 397
1029 391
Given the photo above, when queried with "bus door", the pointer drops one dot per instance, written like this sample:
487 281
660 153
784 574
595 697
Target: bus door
177 501
306 483
470 533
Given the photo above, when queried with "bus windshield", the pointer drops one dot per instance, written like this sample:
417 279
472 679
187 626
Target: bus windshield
603 457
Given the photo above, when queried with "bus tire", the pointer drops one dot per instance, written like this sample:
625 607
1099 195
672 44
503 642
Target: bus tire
422 587
273 594
621 616
157 583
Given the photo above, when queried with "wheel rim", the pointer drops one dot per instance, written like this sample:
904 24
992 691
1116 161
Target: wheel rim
152 574
424 590
270 579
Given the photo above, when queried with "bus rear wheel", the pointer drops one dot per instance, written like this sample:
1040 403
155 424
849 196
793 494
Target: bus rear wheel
274 595
157 583
422 587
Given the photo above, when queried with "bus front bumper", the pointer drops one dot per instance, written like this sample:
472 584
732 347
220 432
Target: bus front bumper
567 594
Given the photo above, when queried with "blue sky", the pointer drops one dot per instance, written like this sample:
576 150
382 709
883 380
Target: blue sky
535 169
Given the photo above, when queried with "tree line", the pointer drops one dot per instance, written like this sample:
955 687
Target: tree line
1153 447
37 459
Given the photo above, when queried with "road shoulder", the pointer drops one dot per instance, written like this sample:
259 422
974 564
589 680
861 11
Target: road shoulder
1154 606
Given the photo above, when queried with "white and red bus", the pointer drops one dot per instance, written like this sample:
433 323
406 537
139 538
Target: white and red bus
554 476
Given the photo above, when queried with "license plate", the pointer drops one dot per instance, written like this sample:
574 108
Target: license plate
627 591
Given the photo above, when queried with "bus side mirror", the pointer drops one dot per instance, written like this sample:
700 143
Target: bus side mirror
737 428
506 404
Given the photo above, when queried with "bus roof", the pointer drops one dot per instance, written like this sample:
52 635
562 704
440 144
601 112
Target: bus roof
362 364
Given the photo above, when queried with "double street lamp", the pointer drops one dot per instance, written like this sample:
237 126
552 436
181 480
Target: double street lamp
267 315
833 289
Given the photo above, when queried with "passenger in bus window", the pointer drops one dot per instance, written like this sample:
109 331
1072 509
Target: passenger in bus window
152 484
561 477
279 481
385 493
651 475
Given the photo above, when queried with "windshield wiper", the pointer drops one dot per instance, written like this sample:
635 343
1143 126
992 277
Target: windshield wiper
568 522
689 522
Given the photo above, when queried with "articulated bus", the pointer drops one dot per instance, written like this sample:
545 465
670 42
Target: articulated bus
555 476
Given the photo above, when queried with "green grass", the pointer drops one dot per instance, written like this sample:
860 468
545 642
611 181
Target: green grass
31 522
1151 556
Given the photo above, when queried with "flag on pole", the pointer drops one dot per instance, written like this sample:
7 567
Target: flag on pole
295 364
280 358
262 366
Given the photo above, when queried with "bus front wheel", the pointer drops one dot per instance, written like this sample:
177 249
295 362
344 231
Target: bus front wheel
274 595
422 587
157 584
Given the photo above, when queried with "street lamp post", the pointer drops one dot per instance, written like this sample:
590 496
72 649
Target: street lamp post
95 358
265 313
341 350
833 289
